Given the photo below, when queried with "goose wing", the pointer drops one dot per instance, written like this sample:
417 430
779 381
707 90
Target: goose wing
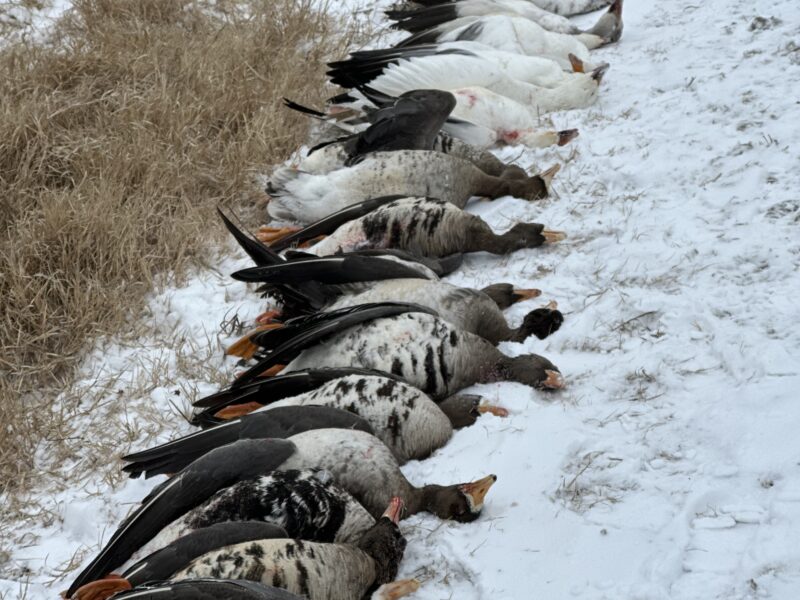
213 471
161 564
332 270
411 123
279 423
332 222
206 589
320 328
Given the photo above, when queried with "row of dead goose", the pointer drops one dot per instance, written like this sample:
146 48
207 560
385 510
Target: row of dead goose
292 487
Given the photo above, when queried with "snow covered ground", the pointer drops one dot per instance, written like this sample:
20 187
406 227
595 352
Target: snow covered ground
669 467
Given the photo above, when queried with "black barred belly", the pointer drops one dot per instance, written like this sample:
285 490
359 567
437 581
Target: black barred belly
420 348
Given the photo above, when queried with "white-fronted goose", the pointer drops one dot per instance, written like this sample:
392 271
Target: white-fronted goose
315 571
403 339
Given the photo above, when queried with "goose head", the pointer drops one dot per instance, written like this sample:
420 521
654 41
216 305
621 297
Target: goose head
530 369
607 30
464 409
532 188
462 503
384 542
540 322
538 138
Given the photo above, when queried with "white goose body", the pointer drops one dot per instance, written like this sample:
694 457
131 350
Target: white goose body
404 418
454 71
571 7
518 35
451 62
317 571
324 160
513 123
519 8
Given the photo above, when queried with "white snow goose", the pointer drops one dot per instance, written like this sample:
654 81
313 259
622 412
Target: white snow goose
511 34
393 131
607 30
303 198
411 121
565 8
403 339
395 71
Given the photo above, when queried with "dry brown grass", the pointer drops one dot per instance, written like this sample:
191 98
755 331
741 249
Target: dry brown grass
118 137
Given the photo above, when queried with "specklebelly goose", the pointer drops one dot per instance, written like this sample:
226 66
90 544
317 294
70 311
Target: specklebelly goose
467 309
422 226
206 589
360 464
175 554
315 571
405 419
405 340
301 503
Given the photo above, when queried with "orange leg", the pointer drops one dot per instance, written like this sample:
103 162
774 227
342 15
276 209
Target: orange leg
273 234
102 588
237 410
268 317
311 242
273 370
243 347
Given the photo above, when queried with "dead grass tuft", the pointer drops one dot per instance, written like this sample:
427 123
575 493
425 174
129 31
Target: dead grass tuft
118 137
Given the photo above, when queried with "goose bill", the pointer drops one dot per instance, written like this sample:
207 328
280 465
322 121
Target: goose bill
477 490
551 237
526 294
394 510
554 380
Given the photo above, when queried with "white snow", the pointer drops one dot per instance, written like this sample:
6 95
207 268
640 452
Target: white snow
670 465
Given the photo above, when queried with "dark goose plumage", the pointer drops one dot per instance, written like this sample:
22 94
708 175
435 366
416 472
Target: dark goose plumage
282 424
316 571
205 476
207 589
